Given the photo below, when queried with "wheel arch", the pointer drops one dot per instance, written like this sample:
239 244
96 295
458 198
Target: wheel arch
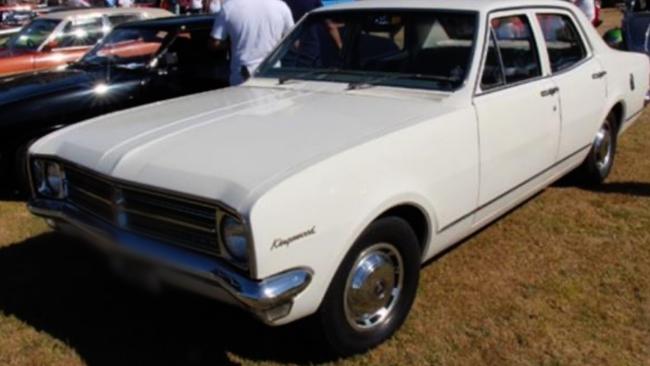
416 217
619 113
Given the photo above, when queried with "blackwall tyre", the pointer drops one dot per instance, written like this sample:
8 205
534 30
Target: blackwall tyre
373 289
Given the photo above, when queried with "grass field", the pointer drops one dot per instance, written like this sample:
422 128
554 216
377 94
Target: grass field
563 280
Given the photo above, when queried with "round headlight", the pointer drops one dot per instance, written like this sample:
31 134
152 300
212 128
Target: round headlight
235 239
48 178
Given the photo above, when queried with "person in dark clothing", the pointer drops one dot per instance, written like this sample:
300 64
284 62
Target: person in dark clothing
317 41
301 7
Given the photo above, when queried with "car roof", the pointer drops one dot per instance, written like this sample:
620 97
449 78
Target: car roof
191 21
474 5
64 14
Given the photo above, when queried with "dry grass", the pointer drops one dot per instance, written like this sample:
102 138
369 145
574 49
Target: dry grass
563 280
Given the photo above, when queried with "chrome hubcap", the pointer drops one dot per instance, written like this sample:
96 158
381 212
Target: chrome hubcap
603 148
373 286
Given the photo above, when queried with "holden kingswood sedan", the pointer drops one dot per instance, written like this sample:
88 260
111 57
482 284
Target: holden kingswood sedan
377 134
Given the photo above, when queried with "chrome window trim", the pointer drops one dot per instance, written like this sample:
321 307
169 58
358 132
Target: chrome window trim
585 41
525 10
470 66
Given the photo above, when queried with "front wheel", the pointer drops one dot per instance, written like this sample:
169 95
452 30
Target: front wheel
373 289
600 160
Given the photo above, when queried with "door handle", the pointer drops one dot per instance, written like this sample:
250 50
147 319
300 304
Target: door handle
549 92
598 75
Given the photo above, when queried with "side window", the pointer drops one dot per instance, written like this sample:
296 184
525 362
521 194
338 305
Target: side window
516 44
563 43
81 32
492 72
118 19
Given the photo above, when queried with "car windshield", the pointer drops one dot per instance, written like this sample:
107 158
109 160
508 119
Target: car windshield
416 49
130 48
34 34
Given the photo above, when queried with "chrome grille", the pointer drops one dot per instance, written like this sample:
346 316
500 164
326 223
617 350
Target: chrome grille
175 220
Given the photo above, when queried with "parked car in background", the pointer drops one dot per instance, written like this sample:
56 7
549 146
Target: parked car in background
5 35
16 16
634 32
375 136
137 63
61 37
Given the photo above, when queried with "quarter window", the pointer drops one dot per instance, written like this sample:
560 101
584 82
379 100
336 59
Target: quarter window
492 70
516 45
563 43
83 32
118 19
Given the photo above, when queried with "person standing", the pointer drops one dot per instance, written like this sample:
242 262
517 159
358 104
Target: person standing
301 7
196 7
214 6
254 28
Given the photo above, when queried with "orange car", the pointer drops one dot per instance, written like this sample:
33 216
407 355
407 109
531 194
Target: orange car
59 38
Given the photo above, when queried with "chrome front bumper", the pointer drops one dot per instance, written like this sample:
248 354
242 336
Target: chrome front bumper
269 299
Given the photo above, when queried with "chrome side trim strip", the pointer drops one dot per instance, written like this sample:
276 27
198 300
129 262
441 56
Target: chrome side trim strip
512 189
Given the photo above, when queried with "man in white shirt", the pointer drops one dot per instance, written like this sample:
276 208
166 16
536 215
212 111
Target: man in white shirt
254 28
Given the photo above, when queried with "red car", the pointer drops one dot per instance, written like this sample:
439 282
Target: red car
59 38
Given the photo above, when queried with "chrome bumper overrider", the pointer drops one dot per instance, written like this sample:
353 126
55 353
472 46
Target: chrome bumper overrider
270 299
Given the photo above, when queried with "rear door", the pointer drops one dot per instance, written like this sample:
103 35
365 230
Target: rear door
517 108
578 75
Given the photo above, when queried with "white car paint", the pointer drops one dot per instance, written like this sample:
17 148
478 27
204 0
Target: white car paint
312 154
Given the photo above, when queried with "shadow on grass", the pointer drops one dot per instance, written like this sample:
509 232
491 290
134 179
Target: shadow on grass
639 189
8 194
60 286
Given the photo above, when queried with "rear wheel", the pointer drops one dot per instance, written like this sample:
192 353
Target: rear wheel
373 289
598 164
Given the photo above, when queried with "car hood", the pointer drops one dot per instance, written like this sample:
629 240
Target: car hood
233 144
26 86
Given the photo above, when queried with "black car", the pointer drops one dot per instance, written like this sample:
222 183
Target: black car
137 63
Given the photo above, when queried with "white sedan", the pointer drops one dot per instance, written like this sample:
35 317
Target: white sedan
377 134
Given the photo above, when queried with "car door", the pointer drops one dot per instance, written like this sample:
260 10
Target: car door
578 75
517 109
72 42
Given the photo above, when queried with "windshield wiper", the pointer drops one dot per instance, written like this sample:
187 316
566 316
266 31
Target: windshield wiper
307 74
382 79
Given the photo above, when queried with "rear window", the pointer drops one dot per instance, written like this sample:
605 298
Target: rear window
563 42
